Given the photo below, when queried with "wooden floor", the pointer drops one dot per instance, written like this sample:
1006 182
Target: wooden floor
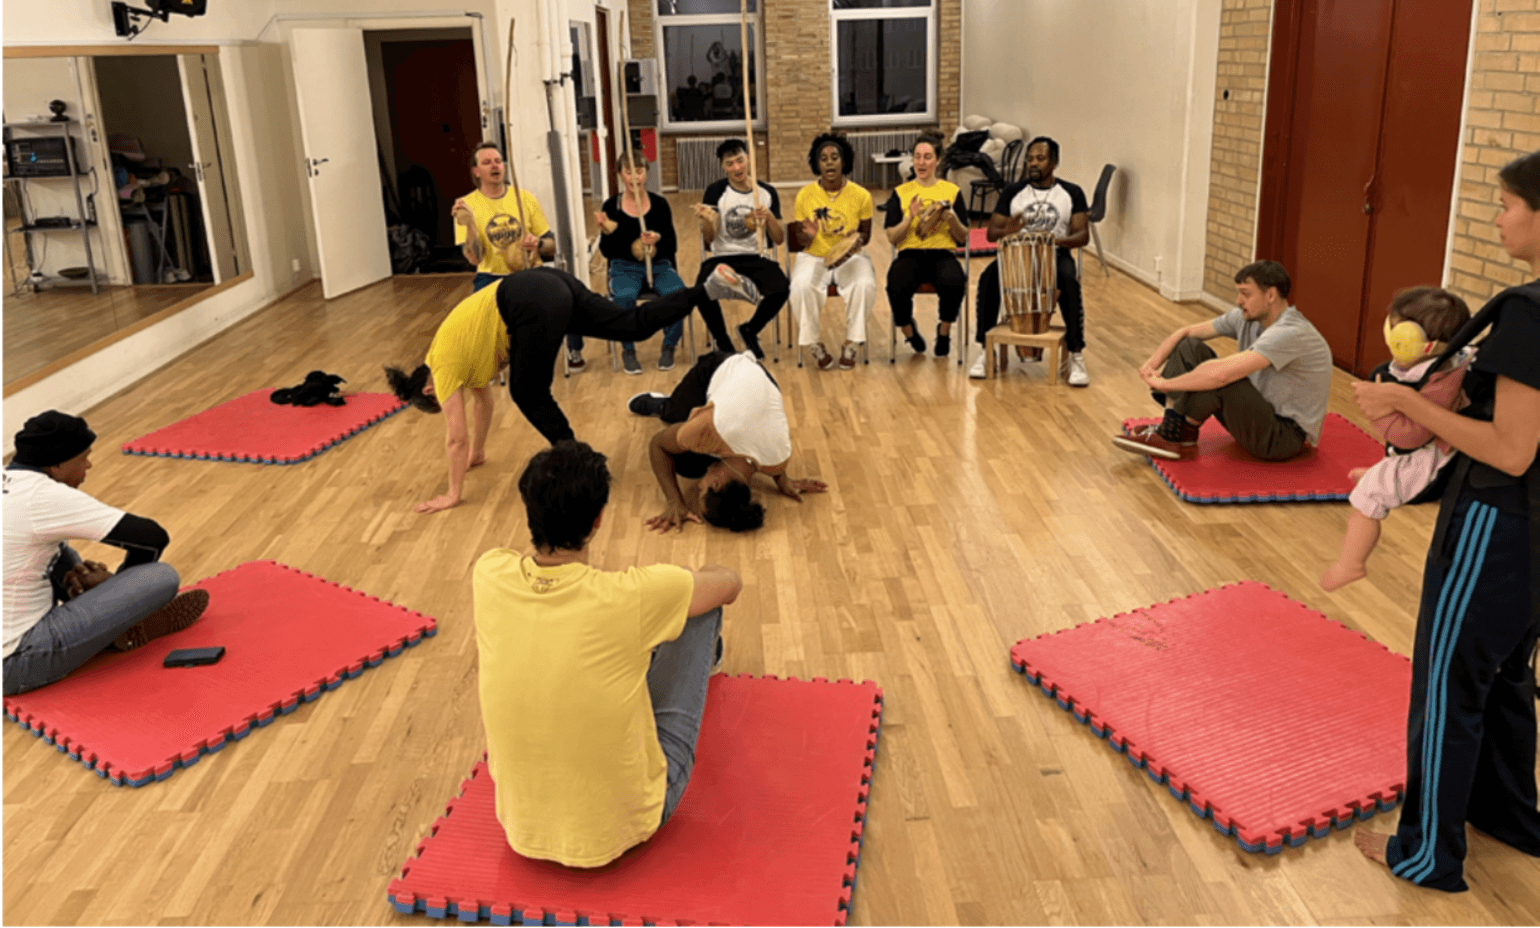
962 516
42 327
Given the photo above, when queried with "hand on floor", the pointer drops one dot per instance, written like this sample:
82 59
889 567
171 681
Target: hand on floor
795 488
438 504
675 516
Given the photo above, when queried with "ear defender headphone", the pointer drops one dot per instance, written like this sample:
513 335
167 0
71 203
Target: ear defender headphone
1408 342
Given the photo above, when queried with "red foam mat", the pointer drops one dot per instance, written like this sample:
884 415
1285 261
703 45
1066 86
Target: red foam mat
254 430
289 636
768 832
1262 714
1223 472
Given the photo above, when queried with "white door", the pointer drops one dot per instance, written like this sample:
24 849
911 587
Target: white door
203 92
337 128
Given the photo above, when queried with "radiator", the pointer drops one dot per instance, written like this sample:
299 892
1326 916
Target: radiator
697 160
867 144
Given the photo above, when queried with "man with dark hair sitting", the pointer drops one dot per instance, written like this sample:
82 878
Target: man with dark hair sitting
726 423
1270 395
592 682
61 611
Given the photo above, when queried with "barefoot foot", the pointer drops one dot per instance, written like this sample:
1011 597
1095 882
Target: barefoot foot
1371 844
478 460
1338 576
1357 474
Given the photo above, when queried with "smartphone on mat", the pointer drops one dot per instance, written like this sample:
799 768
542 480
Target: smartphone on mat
193 657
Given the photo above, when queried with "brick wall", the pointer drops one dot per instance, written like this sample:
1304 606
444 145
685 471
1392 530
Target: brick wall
798 90
1235 164
1502 122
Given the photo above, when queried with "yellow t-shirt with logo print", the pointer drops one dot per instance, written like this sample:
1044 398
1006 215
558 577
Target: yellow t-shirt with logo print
497 225
943 190
572 745
837 216
467 344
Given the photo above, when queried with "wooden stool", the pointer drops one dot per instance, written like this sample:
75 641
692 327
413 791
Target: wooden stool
1002 337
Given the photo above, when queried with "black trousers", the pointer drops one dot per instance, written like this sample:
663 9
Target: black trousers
1240 407
935 266
773 286
1470 728
987 305
543 304
689 394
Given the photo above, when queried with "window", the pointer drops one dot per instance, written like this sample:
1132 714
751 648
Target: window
884 61
702 64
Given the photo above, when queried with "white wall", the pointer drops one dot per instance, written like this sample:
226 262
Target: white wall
1131 84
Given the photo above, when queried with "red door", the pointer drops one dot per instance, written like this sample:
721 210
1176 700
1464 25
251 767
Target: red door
437 121
1419 154
1362 139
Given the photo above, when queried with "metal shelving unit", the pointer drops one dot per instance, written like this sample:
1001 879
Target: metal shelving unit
80 223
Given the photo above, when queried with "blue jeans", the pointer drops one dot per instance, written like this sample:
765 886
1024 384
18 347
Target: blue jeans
627 280
73 632
482 279
676 681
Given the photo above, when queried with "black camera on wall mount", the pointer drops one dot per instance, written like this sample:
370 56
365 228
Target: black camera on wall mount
128 21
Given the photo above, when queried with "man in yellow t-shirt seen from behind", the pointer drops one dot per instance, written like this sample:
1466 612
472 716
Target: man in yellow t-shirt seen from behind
593 682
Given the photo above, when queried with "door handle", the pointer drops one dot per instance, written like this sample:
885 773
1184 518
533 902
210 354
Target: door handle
312 163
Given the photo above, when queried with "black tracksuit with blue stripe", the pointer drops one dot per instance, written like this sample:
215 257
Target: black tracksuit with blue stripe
1471 723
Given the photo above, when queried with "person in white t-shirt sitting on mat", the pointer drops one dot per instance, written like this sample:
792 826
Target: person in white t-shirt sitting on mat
60 610
726 423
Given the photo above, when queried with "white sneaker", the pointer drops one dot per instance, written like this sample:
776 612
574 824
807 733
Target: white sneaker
977 370
1077 374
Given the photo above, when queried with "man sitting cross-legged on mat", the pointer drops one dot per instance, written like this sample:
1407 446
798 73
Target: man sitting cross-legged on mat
521 322
60 611
1270 395
593 682
726 423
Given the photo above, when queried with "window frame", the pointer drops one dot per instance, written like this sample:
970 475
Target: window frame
932 54
666 123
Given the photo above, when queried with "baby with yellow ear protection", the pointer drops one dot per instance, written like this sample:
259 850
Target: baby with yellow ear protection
1420 322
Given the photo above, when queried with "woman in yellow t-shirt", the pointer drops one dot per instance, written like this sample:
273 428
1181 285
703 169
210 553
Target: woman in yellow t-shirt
832 212
933 207
520 323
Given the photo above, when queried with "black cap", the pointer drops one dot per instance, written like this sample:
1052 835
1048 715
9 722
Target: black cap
51 438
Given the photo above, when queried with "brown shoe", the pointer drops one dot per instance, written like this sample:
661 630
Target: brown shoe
182 611
822 356
1148 441
848 356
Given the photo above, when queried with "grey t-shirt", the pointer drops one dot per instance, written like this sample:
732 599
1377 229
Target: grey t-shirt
1297 380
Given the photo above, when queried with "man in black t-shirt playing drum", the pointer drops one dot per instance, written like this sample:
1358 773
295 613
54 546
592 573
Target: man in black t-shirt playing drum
730 212
1041 203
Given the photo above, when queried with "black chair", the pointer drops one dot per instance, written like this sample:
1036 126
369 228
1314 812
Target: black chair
1010 167
1097 214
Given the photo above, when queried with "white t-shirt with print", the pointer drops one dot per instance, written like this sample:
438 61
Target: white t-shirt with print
41 514
1045 210
748 412
733 207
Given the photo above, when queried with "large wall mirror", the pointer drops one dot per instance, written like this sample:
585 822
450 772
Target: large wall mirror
124 209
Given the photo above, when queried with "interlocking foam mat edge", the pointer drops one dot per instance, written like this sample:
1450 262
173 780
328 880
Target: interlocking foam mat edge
1318 825
243 726
502 912
150 445
1174 478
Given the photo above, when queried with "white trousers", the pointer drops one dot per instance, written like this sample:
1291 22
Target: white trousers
809 286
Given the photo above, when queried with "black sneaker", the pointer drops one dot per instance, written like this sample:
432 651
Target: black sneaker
648 404
917 342
751 341
943 343
629 363
666 358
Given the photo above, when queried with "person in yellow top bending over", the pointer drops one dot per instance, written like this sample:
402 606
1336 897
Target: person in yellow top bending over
487 221
520 323
592 682
834 224
925 226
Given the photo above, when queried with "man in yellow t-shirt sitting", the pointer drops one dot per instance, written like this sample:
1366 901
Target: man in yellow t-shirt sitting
593 682
487 221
